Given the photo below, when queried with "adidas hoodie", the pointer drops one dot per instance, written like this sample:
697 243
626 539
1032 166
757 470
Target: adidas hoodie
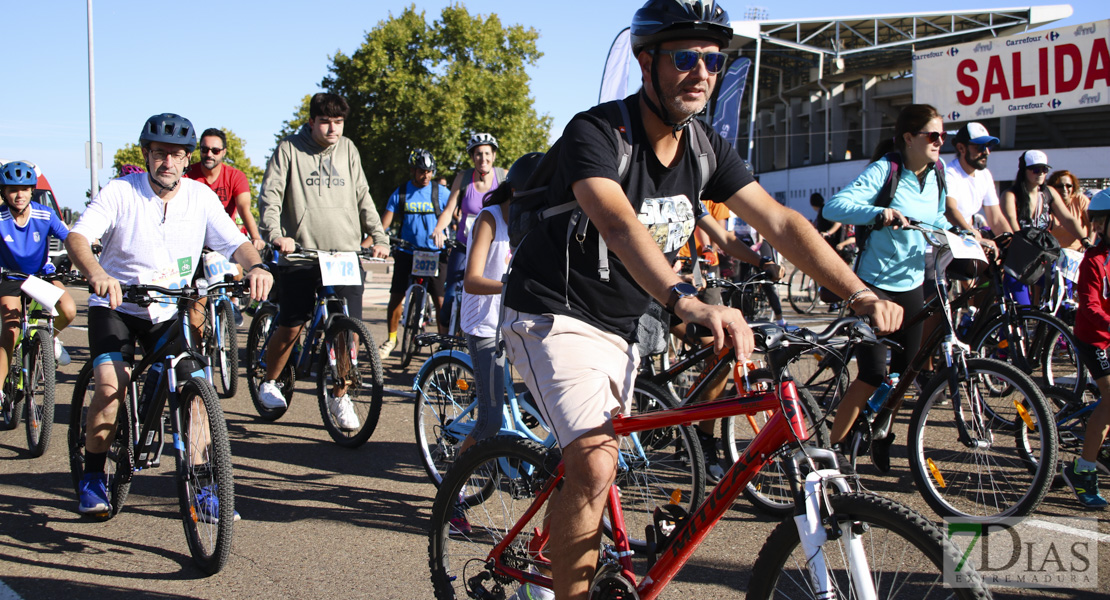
317 196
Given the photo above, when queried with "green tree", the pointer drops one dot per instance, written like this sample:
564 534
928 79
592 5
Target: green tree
412 84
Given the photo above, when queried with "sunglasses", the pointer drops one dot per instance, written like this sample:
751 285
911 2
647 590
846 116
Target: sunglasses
207 150
935 137
985 147
1064 186
1039 169
684 60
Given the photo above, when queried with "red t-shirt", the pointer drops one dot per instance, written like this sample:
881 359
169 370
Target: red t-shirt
1092 320
230 183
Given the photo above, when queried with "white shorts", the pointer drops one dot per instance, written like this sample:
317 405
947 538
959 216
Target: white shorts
581 376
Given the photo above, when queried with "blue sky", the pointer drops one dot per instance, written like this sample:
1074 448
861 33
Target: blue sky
249 65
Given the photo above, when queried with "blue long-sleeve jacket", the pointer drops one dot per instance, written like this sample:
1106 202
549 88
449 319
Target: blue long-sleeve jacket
894 259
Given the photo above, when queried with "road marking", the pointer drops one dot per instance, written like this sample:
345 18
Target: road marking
77 327
1093 535
7 593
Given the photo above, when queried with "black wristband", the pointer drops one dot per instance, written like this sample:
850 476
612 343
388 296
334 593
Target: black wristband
262 266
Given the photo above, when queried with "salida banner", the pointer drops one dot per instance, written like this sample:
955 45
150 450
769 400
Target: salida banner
1040 71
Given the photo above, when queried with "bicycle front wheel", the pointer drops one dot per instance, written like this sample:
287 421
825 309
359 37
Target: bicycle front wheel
205 486
121 454
413 324
802 291
905 553
483 495
263 323
1006 465
225 351
349 383
38 390
444 412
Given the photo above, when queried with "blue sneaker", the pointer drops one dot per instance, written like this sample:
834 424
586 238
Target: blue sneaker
92 494
1085 486
208 506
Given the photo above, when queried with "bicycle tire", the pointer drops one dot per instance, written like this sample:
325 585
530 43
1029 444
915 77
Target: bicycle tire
257 337
950 475
412 327
753 302
38 390
362 377
443 393
1061 366
121 452
489 486
892 532
672 462
209 542
802 292
11 407
769 491
225 359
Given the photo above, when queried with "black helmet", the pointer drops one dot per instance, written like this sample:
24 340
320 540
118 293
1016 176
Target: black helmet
522 169
422 159
169 128
664 20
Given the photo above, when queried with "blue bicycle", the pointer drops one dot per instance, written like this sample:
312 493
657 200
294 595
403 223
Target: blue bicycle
335 349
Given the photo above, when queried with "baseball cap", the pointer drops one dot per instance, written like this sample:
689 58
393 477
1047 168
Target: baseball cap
975 133
1035 157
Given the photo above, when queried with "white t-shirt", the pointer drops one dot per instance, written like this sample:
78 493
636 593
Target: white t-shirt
971 192
145 244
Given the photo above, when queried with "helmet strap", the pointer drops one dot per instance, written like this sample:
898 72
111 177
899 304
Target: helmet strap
661 110
154 182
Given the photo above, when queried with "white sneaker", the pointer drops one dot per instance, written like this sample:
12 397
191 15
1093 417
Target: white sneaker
387 348
60 354
343 412
269 395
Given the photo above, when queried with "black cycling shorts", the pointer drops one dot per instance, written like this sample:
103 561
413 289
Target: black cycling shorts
1095 358
112 336
296 296
402 269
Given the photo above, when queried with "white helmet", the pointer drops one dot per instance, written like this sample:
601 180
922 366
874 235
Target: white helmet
481 139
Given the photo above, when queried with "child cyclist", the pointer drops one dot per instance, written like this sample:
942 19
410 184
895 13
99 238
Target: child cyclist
1092 331
24 227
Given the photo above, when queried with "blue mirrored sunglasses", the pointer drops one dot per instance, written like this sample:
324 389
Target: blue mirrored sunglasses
684 60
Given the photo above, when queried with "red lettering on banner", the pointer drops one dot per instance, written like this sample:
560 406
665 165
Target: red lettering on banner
1063 52
965 77
996 80
1100 64
1042 69
1021 91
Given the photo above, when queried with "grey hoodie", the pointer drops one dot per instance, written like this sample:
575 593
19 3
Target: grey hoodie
317 196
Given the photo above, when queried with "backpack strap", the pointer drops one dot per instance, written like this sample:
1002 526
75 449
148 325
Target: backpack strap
402 193
883 200
436 208
707 165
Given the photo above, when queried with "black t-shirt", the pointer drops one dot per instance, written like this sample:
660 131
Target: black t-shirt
665 199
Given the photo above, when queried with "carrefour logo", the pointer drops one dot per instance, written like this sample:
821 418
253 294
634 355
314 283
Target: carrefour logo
1053 36
953 116
953 51
1054 103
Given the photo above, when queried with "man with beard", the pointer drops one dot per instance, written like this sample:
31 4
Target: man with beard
230 184
970 184
570 324
152 227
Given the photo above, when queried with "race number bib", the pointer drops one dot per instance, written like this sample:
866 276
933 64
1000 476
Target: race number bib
963 247
1069 264
175 275
339 268
425 264
216 266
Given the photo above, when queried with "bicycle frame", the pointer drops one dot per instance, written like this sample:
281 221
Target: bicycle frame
786 426
321 320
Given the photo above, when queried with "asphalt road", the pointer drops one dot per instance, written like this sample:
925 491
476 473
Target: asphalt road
319 521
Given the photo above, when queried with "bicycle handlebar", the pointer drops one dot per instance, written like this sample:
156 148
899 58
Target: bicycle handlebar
141 293
302 252
447 243
57 276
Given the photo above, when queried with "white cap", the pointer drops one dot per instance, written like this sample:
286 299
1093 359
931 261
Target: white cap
1035 157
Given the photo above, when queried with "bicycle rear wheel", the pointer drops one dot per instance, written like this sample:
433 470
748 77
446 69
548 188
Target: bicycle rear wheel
444 397
905 552
1049 356
349 361
1007 467
224 351
413 324
205 486
802 291
483 495
263 323
121 454
38 389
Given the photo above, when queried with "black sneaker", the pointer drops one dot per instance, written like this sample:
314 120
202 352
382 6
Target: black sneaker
713 470
880 452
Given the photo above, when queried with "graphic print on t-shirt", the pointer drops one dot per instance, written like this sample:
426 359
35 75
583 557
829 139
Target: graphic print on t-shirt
670 221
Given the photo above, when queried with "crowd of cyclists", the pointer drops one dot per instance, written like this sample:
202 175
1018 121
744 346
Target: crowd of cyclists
566 313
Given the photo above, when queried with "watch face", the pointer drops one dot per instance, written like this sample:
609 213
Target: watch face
685 289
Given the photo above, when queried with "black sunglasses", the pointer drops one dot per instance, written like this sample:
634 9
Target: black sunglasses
936 137
206 150
684 60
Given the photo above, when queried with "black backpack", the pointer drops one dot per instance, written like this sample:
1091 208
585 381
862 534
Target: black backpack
534 201
889 189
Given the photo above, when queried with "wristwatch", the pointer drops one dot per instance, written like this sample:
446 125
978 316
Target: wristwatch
766 260
679 291
263 266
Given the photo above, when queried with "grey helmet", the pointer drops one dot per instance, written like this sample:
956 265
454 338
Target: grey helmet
169 128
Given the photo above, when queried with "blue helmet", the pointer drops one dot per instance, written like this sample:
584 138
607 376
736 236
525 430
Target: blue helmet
18 172
169 128
664 20
1100 204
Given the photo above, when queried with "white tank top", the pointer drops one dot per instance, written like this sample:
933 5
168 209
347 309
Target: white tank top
478 314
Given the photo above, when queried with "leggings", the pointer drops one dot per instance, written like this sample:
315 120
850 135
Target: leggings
871 360
489 386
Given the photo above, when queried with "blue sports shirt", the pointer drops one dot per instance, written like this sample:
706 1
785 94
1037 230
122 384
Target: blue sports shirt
420 217
26 249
